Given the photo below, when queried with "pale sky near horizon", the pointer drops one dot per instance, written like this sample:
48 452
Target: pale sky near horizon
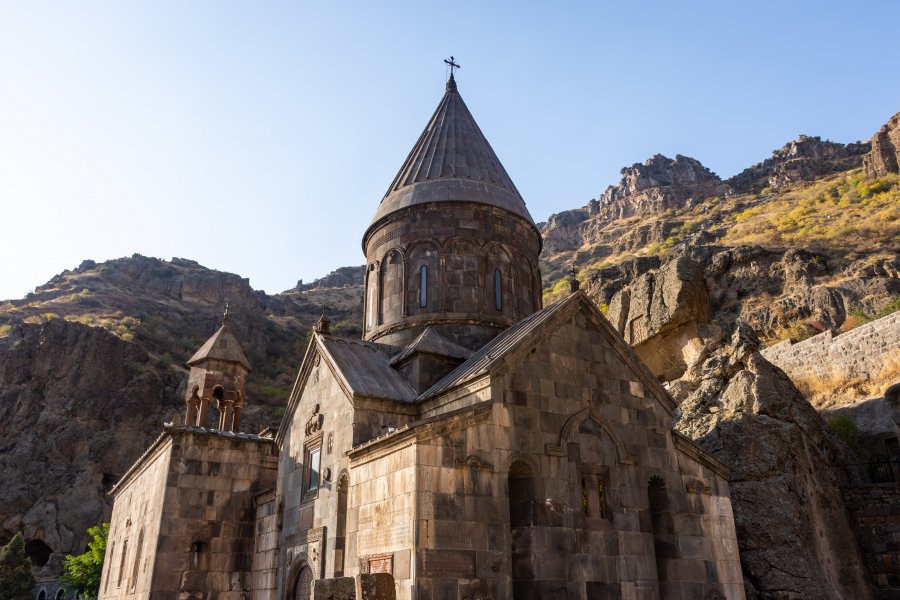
258 138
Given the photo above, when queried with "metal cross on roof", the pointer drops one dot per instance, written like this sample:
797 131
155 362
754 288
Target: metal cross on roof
225 315
452 64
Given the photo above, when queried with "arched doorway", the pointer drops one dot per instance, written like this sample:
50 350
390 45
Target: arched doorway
302 588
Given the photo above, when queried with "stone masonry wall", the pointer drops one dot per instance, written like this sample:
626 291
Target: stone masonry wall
863 351
876 518
265 551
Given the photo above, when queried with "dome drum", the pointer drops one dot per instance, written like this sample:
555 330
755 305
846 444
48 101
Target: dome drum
473 267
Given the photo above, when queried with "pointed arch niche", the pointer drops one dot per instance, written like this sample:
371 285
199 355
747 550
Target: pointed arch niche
390 286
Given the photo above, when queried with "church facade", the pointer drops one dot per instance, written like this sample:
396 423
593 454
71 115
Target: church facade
473 444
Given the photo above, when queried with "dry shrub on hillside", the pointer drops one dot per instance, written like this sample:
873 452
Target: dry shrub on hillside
835 387
845 211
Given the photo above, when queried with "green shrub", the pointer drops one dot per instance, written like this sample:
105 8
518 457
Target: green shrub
845 428
16 579
82 573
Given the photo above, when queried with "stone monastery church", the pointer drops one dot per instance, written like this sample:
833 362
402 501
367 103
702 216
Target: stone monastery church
473 445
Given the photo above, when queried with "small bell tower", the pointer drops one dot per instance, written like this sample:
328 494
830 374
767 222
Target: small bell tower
219 371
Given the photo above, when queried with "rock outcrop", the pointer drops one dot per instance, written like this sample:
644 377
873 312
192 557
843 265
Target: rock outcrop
804 159
660 313
342 277
767 288
77 406
794 535
884 158
657 184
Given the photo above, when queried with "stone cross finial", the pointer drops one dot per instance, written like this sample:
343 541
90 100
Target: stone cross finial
451 83
452 64
323 325
573 281
225 315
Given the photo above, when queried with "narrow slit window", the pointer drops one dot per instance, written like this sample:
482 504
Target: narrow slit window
423 286
585 505
371 306
122 563
601 499
498 290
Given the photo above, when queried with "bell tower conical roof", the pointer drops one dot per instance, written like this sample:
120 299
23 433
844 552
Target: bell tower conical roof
452 161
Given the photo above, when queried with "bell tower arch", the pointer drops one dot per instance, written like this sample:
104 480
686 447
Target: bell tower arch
217 379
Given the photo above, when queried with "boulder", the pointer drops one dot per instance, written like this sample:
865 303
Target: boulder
660 314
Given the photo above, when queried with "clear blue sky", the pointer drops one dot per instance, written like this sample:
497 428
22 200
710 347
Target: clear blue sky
259 137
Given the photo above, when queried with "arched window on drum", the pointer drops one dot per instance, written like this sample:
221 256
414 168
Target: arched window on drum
424 281
499 286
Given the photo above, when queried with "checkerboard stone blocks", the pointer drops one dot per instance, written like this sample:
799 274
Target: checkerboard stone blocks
338 588
376 586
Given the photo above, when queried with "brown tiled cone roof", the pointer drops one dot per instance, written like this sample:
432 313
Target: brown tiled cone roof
452 161
221 346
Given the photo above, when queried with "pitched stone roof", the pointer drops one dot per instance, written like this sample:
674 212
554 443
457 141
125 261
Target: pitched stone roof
452 161
495 350
432 342
221 346
364 368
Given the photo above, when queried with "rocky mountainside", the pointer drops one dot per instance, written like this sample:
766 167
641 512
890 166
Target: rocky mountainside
92 364
796 244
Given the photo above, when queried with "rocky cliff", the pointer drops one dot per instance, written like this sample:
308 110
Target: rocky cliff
804 159
657 184
884 157
77 405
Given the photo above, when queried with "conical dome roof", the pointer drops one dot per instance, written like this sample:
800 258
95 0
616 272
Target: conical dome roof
452 161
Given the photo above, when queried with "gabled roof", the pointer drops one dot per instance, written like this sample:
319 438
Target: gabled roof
502 346
495 350
452 161
432 342
221 346
365 370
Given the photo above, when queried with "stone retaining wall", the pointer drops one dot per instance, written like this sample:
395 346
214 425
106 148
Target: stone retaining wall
863 351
